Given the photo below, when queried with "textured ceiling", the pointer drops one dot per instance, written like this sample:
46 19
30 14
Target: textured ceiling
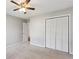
41 7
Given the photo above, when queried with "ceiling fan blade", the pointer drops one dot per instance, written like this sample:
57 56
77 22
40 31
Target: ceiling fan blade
15 2
30 8
27 1
16 9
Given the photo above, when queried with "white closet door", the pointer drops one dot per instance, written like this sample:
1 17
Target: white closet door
62 34
57 33
25 32
65 34
50 33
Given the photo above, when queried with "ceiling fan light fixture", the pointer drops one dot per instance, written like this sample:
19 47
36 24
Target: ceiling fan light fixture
23 6
22 9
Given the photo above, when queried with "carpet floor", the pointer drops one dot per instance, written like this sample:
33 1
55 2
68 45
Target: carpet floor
27 51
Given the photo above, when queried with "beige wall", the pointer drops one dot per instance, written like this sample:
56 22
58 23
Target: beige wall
14 30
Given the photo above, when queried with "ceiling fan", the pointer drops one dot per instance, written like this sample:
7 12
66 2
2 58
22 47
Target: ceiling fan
23 6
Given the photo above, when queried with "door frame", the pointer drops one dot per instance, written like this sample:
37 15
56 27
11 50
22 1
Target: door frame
68 15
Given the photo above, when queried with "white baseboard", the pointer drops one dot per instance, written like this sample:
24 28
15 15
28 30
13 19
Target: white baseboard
36 44
71 53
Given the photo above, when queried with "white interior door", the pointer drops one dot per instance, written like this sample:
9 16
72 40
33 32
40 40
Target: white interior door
57 33
25 32
50 33
65 36
62 34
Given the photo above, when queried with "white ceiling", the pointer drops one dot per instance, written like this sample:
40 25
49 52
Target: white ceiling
41 7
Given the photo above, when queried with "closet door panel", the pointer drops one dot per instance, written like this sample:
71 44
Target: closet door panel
59 34
65 34
62 34
48 33
52 33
